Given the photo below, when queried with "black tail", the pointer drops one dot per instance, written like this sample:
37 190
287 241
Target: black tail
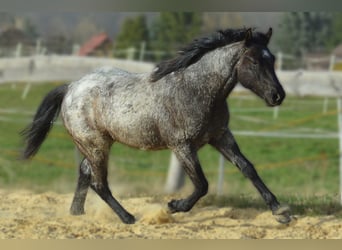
47 112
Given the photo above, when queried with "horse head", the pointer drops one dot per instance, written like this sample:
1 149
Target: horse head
255 69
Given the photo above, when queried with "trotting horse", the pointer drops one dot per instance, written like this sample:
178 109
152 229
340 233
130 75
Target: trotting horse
181 106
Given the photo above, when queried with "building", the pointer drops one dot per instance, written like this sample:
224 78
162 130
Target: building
98 45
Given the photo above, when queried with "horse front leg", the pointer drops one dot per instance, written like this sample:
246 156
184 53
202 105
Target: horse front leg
230 150
189 161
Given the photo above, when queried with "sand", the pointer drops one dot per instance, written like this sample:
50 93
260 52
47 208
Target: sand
26 215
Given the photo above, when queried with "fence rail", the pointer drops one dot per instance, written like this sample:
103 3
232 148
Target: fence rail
60 68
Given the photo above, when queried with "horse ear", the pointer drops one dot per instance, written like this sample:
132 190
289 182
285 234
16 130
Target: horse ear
248 36
269 34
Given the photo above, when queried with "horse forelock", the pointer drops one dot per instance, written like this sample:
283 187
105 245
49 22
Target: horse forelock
194 51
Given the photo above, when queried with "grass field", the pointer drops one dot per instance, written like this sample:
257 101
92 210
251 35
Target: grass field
292 167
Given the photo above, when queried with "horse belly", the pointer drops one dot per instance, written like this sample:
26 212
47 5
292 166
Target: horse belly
138 134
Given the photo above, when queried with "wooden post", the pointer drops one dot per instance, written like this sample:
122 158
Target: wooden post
130 53
280 61
18 50
339 122
142 50
275 112
332 62
38 46
175 176
26 90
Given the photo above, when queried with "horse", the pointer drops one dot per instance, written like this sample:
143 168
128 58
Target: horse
181 105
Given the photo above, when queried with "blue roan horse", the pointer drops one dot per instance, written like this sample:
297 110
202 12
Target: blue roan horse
181 106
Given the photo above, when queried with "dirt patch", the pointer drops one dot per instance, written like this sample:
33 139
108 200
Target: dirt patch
25 215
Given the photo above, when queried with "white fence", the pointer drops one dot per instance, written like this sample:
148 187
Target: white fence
60 68
69 68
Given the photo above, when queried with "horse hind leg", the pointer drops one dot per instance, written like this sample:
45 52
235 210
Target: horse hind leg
83 183
99 184
97 151
93 173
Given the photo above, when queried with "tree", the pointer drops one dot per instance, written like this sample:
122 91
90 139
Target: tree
335 37
304 32
30 30
134 31
58 44
171 30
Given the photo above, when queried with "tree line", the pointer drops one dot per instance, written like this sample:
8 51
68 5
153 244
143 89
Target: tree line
298 33
301 33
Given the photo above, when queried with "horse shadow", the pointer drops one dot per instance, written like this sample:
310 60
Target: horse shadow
308 206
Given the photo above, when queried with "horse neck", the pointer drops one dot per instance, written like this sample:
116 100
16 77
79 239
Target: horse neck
217 69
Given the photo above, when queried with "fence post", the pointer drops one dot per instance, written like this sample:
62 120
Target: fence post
38 46
18 50
175 176
339 122
142 50
279 68
31 68
275 112
280 60
332 62
26 90
130 53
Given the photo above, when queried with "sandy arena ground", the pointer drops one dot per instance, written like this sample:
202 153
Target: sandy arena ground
25 215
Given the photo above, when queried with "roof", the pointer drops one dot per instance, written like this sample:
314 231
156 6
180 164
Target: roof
93 43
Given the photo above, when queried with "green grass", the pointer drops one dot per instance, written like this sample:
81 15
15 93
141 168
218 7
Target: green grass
292 168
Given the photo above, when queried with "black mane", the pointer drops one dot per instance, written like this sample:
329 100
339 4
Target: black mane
197 48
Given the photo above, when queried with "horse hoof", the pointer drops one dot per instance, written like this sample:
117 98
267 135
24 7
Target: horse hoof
283 214
178 206
128 219
172 206
76 211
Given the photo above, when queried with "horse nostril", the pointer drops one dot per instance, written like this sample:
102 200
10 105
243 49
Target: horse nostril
276 98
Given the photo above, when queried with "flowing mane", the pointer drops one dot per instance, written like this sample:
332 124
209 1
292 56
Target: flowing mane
192 52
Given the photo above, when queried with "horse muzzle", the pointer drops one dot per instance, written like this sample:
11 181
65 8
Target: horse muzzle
275 98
